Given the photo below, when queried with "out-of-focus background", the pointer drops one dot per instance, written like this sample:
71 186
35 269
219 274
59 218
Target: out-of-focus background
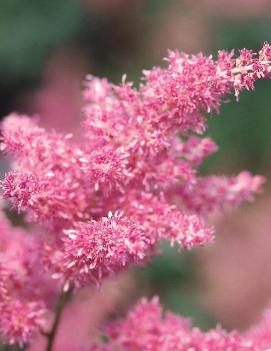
47 48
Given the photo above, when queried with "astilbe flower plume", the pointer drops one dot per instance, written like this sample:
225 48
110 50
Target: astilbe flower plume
132 158
106 202
105 246
147 328
49 182
22 302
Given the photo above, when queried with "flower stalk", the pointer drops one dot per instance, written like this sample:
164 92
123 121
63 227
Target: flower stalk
62 301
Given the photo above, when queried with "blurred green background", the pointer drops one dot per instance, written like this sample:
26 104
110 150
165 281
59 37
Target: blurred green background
52 45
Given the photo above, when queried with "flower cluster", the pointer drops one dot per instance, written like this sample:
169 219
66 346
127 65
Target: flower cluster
96 249
145 328
106 202
22 291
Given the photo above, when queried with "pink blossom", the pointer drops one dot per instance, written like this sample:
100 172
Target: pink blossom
166 222
147 328
22 301
213 193
105 203
107 168
19 320
49 181
130 138
131 161
97 249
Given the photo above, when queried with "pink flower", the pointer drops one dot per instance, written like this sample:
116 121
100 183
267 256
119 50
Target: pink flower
131 161
97 249
49 182
213 193
166 222
19 320
22 300
105 203
147 328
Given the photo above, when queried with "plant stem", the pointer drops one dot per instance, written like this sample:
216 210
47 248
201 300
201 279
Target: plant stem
13 348
63 298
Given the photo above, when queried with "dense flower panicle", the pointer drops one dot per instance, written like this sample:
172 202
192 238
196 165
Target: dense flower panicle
130 140
22 301
49 180
166 222
171 101
213 193
20 320
94 250
191 85
139 156
97 249
145 328
177 94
